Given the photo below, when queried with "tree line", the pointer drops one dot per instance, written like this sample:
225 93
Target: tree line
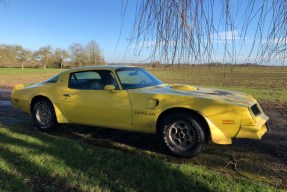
76 55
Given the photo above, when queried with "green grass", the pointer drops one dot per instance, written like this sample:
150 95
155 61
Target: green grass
12 76
262 94
33 161
18 71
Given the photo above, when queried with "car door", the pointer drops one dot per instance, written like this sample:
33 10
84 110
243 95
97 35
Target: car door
85 101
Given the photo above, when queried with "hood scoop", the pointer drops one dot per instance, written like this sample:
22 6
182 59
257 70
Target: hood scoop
182 87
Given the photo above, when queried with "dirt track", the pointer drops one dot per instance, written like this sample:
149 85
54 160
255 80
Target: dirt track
265 159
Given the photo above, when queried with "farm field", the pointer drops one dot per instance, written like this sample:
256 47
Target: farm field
81 158
12 76
264 83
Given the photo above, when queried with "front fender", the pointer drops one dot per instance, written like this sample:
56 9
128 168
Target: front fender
223 119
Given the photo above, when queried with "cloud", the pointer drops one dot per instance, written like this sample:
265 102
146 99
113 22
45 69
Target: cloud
144 44
227 35
278 40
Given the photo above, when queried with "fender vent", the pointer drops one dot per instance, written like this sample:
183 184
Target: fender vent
255 109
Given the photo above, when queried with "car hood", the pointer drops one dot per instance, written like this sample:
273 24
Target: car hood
233 97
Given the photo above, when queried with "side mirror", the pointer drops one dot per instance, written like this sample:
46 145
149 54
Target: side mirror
110 88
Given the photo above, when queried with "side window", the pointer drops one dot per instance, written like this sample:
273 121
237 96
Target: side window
91 80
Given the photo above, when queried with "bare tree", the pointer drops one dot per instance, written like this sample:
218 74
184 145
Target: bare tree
77 54
44 54
184 30
59 56
94 54
11 54
7 54
22 54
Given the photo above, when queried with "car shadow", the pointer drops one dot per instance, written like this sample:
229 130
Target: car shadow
124 140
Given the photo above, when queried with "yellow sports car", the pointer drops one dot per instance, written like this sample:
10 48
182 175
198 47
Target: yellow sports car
130 98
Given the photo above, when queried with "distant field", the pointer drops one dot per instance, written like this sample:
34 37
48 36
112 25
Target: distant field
12 76
264 83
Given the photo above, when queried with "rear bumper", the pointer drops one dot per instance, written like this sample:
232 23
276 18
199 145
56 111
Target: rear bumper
21 104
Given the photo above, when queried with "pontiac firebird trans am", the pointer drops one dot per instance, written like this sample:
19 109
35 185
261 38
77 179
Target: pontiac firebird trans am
130 98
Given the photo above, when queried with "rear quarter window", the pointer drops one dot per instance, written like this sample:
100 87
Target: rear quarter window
52 79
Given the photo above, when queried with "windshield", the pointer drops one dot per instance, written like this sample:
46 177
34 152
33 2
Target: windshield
132 78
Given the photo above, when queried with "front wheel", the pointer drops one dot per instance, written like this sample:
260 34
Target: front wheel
183 135
43 114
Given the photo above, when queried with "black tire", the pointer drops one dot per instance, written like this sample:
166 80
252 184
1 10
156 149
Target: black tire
182 135
44 116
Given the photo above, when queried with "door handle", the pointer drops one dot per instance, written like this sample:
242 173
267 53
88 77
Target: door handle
66 95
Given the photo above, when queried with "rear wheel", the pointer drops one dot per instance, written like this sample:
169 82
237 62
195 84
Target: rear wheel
183 135
43 114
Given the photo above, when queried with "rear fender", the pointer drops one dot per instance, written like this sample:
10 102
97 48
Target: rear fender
16 88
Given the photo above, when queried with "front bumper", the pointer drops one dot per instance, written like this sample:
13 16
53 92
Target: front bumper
254 131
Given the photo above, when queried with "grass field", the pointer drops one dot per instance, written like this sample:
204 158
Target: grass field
32 161
264 83
12 76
